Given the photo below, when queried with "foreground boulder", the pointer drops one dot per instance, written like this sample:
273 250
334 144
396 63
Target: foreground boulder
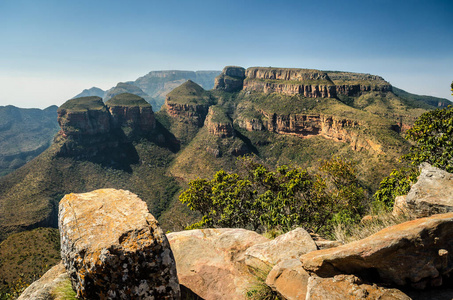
289 279
46 286
210 262
432 194
418 252
349 287
286 246
113 248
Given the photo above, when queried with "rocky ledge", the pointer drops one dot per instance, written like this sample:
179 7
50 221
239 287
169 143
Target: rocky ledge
303 125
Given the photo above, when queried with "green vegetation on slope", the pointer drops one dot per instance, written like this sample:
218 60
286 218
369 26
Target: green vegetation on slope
127 99
418 101
26 256
189 93
83 104
24 134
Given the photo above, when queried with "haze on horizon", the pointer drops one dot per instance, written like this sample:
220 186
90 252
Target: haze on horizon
52 50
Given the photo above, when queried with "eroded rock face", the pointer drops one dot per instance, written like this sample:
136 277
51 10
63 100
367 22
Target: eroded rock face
289 279
128 110
416 253
310 83
83 116
338 129
231 79
432 193
286 246
210 262
112 247
218 123
349 287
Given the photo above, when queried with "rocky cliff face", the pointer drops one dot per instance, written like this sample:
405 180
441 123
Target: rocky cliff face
302 125
355 84
88 126
83 116
188 103
218 123
231 79
132 111
310 83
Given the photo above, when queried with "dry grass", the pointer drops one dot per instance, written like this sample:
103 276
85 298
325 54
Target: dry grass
369 226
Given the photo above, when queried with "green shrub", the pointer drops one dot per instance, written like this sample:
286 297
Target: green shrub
262 200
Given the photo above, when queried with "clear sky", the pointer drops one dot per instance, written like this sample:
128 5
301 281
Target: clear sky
52 50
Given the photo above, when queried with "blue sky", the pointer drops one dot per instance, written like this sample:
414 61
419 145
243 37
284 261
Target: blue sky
52 50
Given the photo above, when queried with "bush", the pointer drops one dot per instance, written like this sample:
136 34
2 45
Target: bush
261 200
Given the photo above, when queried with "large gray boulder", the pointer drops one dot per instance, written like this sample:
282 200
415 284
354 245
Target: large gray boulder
432 194
113 248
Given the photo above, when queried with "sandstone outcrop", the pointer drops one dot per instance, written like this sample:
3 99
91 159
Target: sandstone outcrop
349 287
188 103
302 125
230 80
355 84
218 123
45 287
210 262
286 246
289 279
432 193
310 83
84 117
132 112
89 127
416 253
112 247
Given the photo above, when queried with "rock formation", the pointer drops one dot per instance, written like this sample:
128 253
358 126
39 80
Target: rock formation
349 287
355 84
310 83
188 103
46 286
303 125
431 194
415 253
286 246
131 111
210 262
112 247
230 80
218 123
88 126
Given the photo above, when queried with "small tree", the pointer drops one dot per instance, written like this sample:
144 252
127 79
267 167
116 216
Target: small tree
433 137
260 199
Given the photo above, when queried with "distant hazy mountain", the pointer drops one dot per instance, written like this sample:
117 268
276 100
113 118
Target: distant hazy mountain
421 100
24 134
155 85
158 84
94 91
129 87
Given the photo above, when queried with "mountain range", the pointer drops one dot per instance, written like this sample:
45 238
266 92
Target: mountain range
278 115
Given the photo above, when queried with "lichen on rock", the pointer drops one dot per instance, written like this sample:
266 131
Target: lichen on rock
113 248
